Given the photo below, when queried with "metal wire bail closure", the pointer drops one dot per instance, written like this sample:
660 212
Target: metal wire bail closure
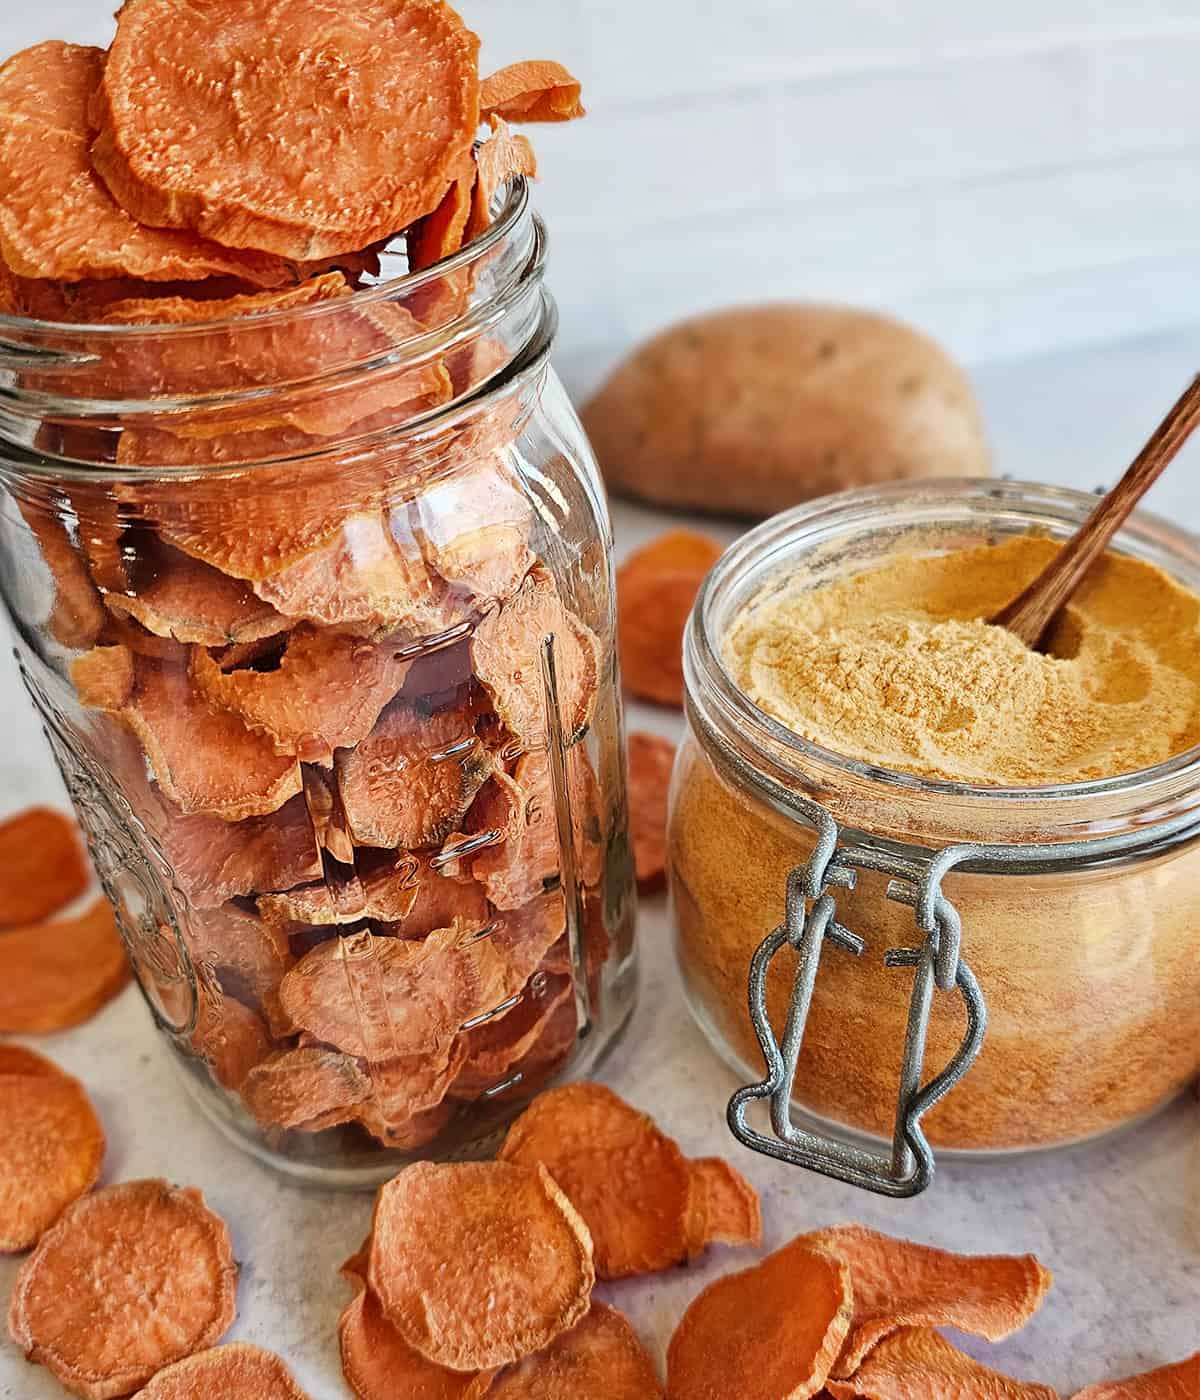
809 923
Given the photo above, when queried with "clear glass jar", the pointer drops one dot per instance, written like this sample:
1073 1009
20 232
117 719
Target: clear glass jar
317 606
1087 956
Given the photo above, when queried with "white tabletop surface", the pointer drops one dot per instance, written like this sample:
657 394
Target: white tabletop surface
1119 1223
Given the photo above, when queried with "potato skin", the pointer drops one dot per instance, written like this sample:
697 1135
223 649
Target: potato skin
750 410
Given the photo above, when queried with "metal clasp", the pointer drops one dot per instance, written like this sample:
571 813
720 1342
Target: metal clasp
810 922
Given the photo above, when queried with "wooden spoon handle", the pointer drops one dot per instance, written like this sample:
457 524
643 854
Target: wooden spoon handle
1030 614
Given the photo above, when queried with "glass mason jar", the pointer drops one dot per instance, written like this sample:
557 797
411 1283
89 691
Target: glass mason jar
1079 903
317 608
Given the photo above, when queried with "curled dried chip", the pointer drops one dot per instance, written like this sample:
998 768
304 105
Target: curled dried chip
497 161
57 220
76 615
477 1264
723 1208
128 1280
384 889
599 1356
51 1149
406 1091
537 90
296 1087
507 652
898 1283
440 902
1180 1381
41 865
496 1046
651 759
104 677
656 587
519 812
770 1332
627 1179
385 116
441 233
248 952
57 975
916 1363
229 1037
236 1371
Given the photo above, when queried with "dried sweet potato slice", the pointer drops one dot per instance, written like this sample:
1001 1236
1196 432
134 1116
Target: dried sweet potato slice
76 616
57 220
128 1280
385 890
57 975
19 1059
917 1363
627 1179
599 1356
537 90
498 160
230 1038
406 1091
478 1264
524 859
507 654
42 865
800 1305
440 902
104 677
236 1371
1180 1381
723 1208
520 942
898 1283
293 1088
51 1150
381 99
238 945
496 1046
651 759
656 587
441 232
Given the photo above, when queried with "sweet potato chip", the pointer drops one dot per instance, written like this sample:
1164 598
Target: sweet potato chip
628 1180
77 615
236 1371
127 1281
295 1087
440 902
42 866
441 233
495 1047
51 1149
766 1333
57 975
537 90
600 1356
18 1059
383 104
507 653
524 859
901 1284
406 1092
249 952
651 759
205 758
57 220
916 1363
478 1264
385 890
656 587
1180 1381
104 677
498 160
229 1037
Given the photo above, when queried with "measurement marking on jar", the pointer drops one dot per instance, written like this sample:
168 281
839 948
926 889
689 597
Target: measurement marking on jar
492 1014
466 848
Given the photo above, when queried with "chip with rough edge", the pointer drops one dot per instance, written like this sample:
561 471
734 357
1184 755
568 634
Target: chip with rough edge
381 97
57 220
42 866
521 941
478 1264
600 1356
507 654
57 975
104 677
917 1363
537 90
326 692
498 160
406 1091
236 1371
128 1280
656 587
18 1059
384 889
243 950
76 615
1179 1381
523 858
770 1332
898 1283
441 901
651 759
51 1150
441 232
723 1208
292 1088
229 1037
627 1179
496 1046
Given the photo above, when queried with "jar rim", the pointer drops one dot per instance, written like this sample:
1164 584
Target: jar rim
1151 796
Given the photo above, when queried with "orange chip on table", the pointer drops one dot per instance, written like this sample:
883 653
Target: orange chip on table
723 1208
627 1179
51 1149
128 1280
57 975
296 1087
478 1264
42 866
600 1356
656 587
236 1371
104 677
498 160
57 220
1179 1381
898 1283
770 1332
19 1059
537 90
917 1363
651 759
